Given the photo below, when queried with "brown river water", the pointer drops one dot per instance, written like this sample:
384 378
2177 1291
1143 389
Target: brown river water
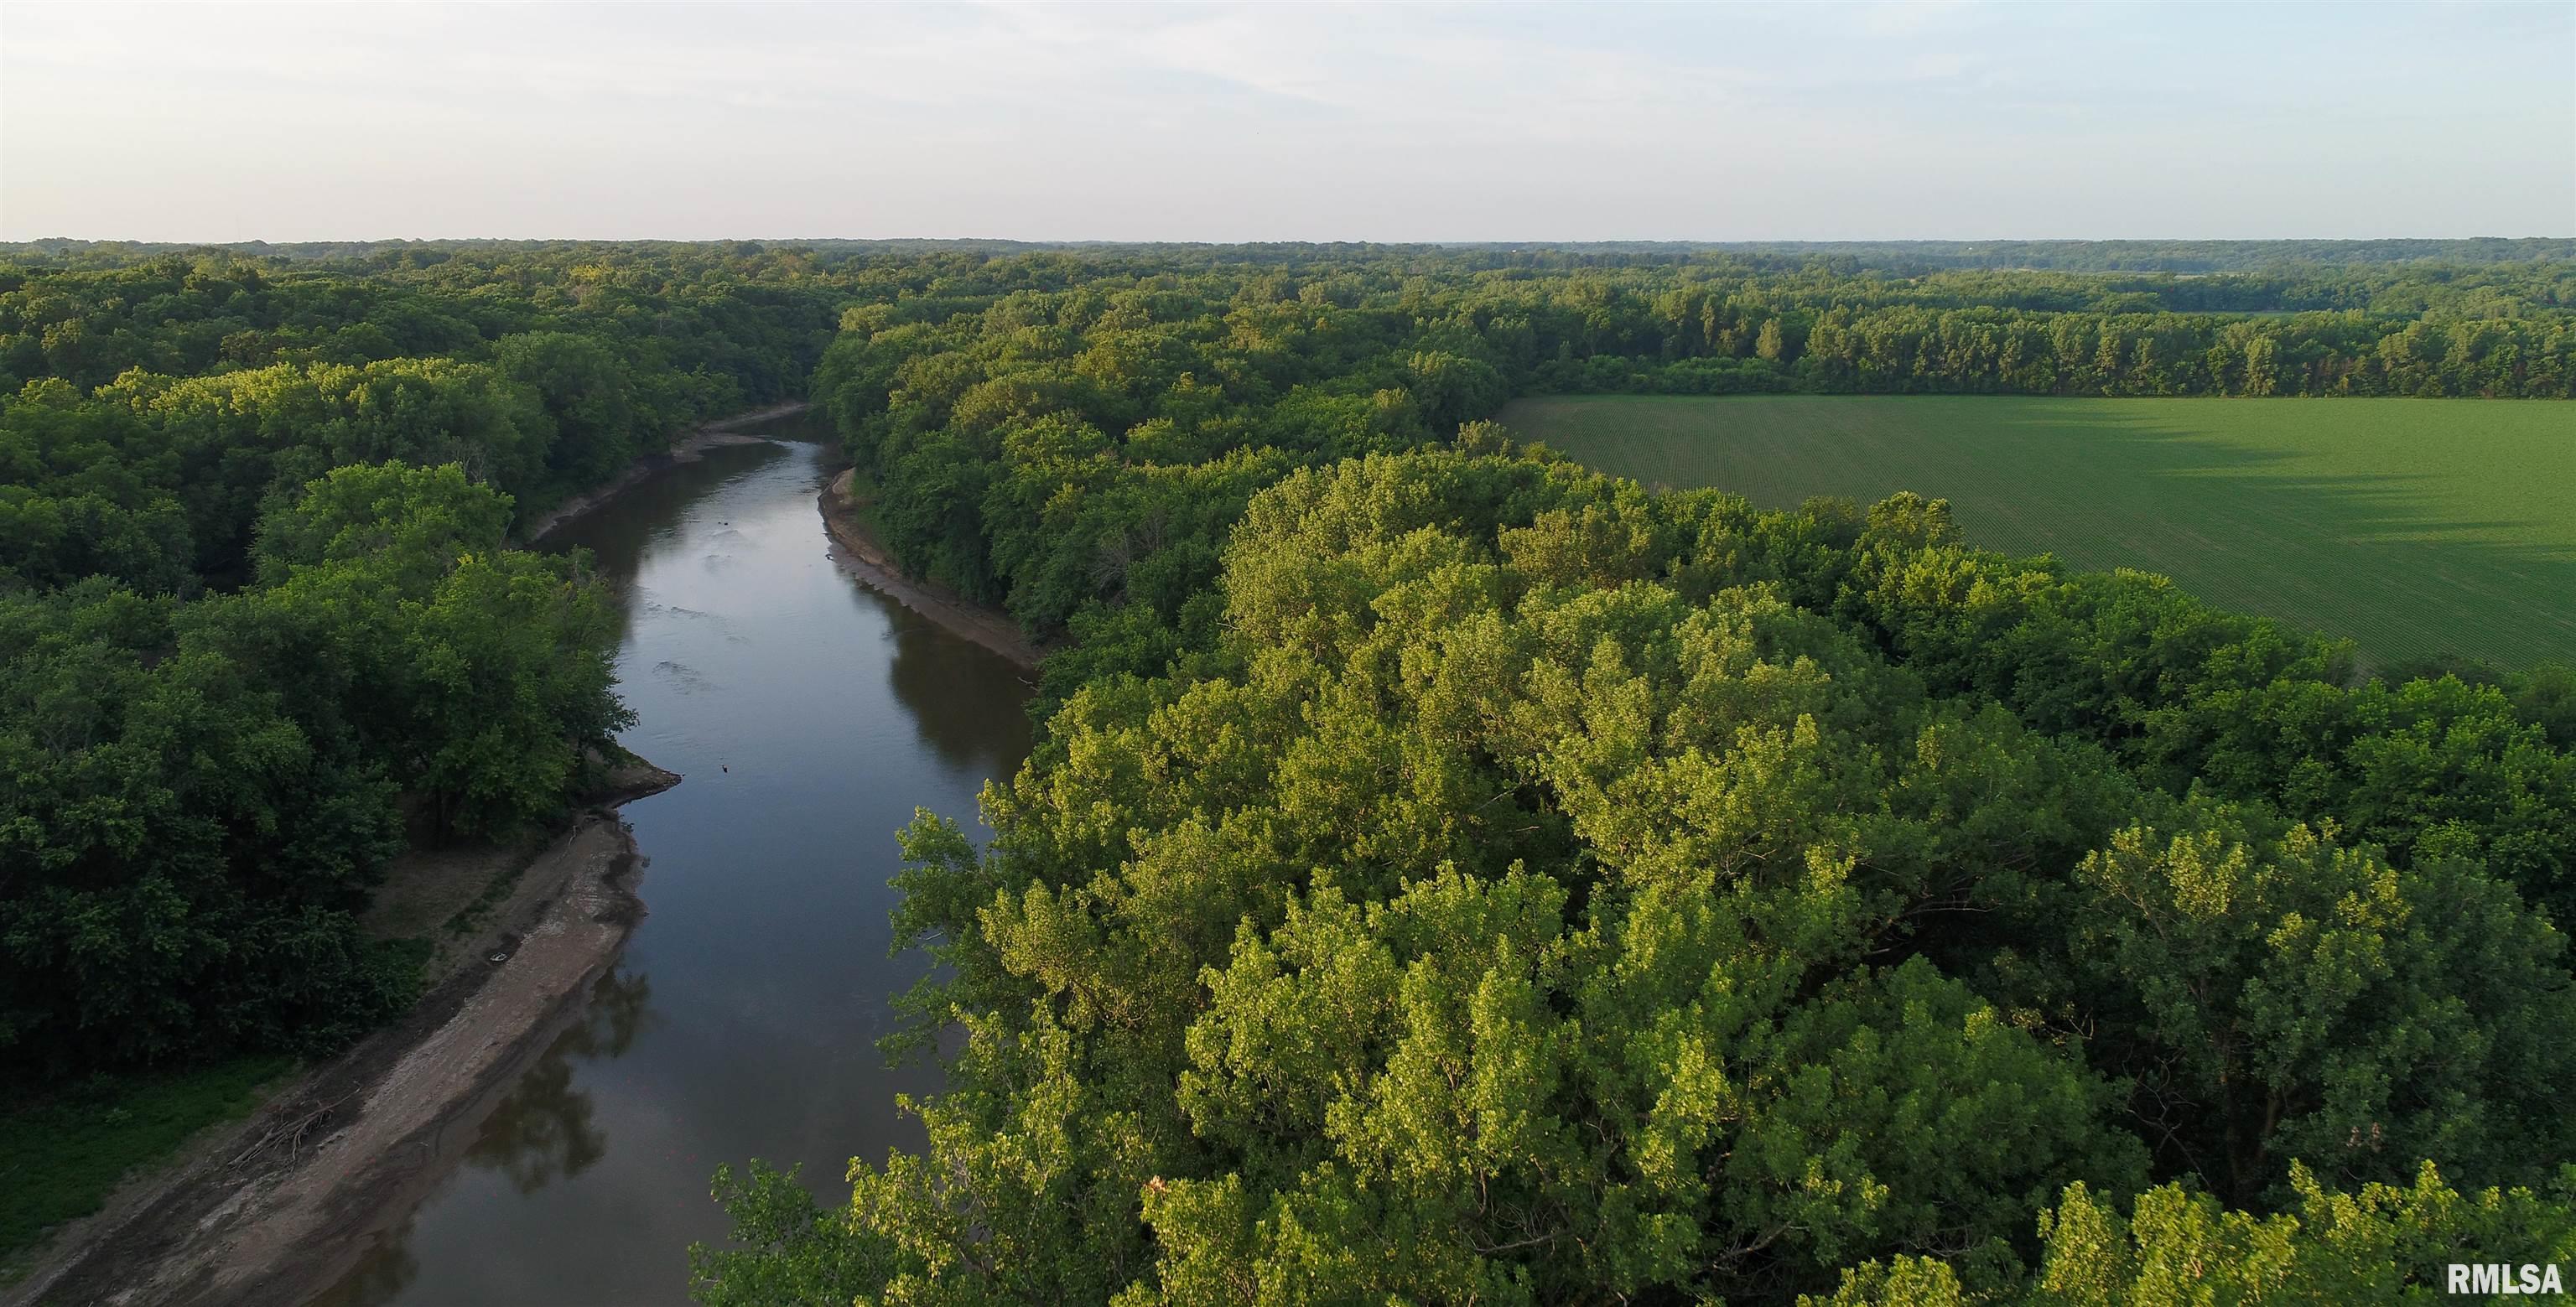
809 714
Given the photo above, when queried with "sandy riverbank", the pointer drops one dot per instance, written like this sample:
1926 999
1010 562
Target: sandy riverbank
723 431
274 1209
277 1208
862 556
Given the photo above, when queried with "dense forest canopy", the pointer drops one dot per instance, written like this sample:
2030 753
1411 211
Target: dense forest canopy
262 612
1446 874
1449 876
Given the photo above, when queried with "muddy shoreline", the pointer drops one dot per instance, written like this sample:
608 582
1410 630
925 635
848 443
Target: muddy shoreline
276 1208
279 1207
686 449
861 555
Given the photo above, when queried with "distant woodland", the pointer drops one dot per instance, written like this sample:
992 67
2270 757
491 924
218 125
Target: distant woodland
1445 874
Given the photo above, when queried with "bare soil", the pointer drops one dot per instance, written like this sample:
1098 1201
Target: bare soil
447 895
275 1209
425 889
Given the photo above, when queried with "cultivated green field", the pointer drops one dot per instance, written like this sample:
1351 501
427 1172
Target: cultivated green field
2415 527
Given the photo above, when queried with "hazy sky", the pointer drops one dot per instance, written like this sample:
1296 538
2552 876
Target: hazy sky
1291 122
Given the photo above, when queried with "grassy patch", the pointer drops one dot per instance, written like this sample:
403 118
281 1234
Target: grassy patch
470 918
62 1153
2415 527
425 889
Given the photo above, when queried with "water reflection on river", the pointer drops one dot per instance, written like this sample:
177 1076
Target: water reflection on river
809 714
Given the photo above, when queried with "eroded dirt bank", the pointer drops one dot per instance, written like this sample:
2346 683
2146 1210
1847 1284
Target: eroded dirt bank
860 553
281 1206
276 1209
272 1210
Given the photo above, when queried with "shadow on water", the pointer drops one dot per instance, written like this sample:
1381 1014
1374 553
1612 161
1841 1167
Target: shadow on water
952 699
543 1131
381 1276
810 715
619 536
651 512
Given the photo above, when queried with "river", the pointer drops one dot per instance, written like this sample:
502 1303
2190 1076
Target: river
809 714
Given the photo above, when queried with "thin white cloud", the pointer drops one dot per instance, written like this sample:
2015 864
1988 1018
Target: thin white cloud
1306 121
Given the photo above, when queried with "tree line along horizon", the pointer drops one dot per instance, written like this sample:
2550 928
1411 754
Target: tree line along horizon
1445 874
